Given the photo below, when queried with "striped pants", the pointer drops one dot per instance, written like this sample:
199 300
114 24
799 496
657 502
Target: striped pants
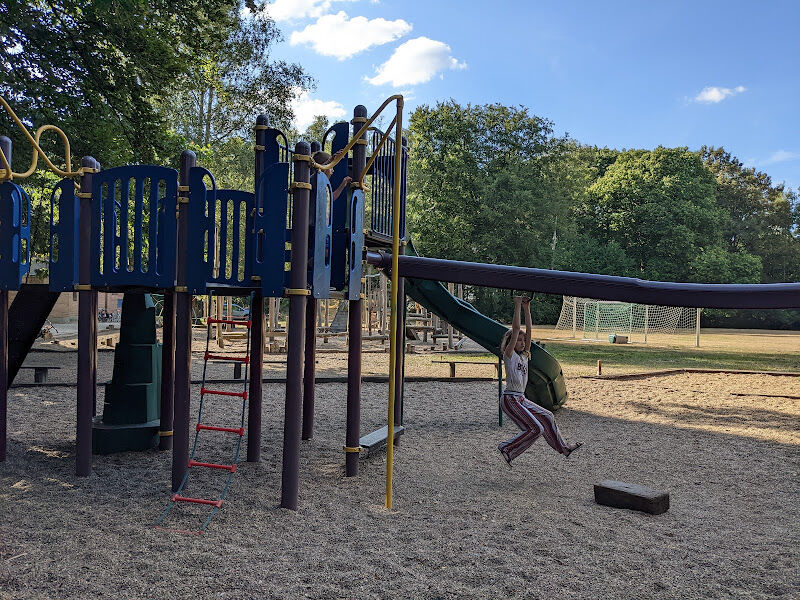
534 421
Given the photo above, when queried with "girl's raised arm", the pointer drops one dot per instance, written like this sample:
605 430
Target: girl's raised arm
526 302
515 327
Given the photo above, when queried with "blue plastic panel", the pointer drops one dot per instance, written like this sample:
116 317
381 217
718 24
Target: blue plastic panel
64 221
15 235
220 234
320 237
270 219
134 227
340 239
355 251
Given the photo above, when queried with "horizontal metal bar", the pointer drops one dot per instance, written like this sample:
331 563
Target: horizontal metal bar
600 287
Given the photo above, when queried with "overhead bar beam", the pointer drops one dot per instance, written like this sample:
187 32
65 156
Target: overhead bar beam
599 287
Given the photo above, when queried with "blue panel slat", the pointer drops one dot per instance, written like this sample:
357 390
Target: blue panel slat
15 235
241 271
200 250
320 237
269 247
64 237
355 250
118 260
340 237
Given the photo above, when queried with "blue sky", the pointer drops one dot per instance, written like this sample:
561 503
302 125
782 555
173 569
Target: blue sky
616 74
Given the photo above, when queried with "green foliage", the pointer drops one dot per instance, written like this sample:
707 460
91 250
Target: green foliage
475 176
96 68
493 184
316 131
659 206
233 80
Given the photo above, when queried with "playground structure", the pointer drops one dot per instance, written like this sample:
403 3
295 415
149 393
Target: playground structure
144 228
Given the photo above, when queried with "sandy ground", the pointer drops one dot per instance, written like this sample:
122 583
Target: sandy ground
463 525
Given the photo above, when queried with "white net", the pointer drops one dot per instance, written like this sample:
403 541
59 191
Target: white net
595 319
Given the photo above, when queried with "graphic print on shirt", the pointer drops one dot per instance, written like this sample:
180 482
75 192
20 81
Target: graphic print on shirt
523 367
516 373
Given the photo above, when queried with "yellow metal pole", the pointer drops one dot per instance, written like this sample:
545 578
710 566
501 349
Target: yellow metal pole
398 155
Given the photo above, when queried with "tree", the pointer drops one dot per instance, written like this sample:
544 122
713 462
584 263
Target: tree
659 206
761 218
316 130
226 86
484 185
96 69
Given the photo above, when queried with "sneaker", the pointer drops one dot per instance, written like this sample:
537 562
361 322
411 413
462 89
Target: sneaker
505 456
577 445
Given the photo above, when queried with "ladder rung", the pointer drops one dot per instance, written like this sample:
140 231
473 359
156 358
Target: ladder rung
239 430
241 359
204 391
230 322
196 463
176 498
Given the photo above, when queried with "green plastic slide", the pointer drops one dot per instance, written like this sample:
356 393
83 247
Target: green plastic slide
545 377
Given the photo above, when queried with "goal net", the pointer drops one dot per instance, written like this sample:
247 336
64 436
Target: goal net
595 319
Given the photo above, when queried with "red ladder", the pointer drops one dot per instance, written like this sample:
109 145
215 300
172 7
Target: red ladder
178 497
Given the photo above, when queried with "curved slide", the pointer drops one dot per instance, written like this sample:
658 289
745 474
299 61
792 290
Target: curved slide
545 378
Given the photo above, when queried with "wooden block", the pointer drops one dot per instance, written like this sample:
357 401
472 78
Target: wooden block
619 494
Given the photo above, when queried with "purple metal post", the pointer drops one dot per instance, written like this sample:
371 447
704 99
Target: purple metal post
5 148
87 329
3 370
353 428
256 325
309 372
256 378
167 372
183 336
297 314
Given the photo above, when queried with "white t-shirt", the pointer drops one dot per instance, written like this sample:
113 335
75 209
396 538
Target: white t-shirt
516 373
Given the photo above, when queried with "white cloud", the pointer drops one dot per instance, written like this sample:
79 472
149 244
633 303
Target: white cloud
713 94
295 10
781 156
306 108
416 61
340 36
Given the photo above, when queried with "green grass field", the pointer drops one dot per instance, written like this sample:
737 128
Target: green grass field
638 357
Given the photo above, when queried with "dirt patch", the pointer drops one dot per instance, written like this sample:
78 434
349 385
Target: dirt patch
463 525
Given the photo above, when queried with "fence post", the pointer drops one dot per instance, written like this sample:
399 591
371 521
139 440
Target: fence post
574 315
697 329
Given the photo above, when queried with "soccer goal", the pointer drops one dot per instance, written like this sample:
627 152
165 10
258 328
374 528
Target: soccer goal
596 318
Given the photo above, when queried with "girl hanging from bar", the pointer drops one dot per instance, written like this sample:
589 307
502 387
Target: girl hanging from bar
531 418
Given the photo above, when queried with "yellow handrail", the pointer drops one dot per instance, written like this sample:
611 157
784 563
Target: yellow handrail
343 152
7 174
398 122
376 151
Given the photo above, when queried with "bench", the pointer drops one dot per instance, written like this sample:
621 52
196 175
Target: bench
40 372
453 364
